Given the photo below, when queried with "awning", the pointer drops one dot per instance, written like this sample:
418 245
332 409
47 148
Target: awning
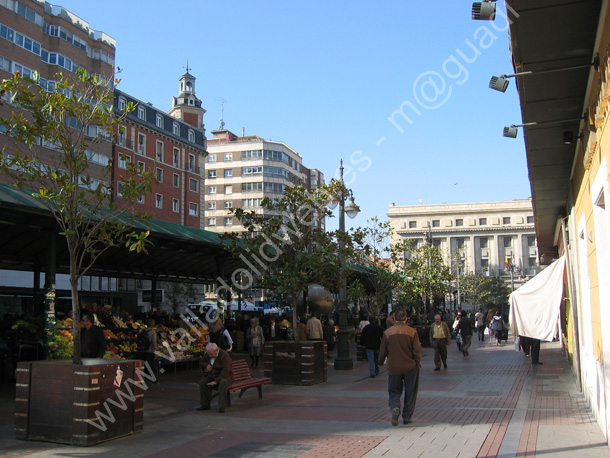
534 308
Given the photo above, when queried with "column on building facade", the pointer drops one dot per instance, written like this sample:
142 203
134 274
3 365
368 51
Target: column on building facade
473 254
494 257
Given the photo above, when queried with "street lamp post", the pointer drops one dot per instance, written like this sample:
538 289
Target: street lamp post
343 360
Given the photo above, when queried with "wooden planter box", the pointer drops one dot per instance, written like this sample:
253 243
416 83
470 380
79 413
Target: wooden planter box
53 400
296 363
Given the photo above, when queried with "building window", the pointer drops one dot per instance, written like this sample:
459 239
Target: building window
193 185
158 201
121 134
436 223
460 244
531 240
176 128
228 173
482 221
412 224
176 180
160 121
228 204
483 242
141 167
228 189
228 157
212 205
141 199
159 151
193 209
506 220
159 174
124 159
122 103
142 113
459 222
212 158
142 144
211 221
176 205
211 173
531 262
191 136
211 189
228 221
176 157
191 162
507 242
530 220
485 266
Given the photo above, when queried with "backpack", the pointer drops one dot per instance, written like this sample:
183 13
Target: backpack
143 341
220 339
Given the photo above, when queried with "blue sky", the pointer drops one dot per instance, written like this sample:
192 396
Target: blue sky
324 77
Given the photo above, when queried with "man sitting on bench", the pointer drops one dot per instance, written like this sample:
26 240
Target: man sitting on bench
216 365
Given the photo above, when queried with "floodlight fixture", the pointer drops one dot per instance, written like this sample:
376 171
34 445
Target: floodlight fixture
485 10
500 83
511 131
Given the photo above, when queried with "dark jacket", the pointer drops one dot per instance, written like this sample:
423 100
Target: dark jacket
464 327
371 336
497 324
221 369
92 342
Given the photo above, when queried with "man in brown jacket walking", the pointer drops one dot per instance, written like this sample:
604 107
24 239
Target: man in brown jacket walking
400 346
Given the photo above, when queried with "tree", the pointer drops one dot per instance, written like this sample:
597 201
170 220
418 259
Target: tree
47 150
425 274
377 254
287 248
481 290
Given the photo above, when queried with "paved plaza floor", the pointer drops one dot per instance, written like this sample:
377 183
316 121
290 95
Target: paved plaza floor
491 403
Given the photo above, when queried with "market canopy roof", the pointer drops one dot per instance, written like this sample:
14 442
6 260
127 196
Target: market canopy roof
179 253
550 35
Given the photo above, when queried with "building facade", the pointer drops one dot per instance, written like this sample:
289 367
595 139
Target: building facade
568 161
241 171
495 239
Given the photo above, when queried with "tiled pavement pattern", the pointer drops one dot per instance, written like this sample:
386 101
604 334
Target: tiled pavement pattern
491 403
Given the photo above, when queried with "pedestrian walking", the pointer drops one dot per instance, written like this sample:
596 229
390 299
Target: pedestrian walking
401 349
256 341
370 339
497 326
314 328
464 328
440 337
479 321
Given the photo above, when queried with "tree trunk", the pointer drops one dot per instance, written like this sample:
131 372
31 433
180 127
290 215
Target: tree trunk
75 311
294 317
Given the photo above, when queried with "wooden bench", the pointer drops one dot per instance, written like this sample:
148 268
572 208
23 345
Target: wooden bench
243 380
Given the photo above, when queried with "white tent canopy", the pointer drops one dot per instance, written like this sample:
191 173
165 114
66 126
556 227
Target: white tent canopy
534 308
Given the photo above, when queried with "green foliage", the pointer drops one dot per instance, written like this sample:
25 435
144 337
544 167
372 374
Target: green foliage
429 273
48 142
290 243
375 251
481 290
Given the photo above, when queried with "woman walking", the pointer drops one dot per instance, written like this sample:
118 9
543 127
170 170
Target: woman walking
497 326
256 341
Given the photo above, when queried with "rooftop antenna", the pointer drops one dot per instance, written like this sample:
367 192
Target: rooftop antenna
222 113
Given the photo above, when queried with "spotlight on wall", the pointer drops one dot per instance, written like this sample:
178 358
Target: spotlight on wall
485 10
500 83
510 131
568 137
